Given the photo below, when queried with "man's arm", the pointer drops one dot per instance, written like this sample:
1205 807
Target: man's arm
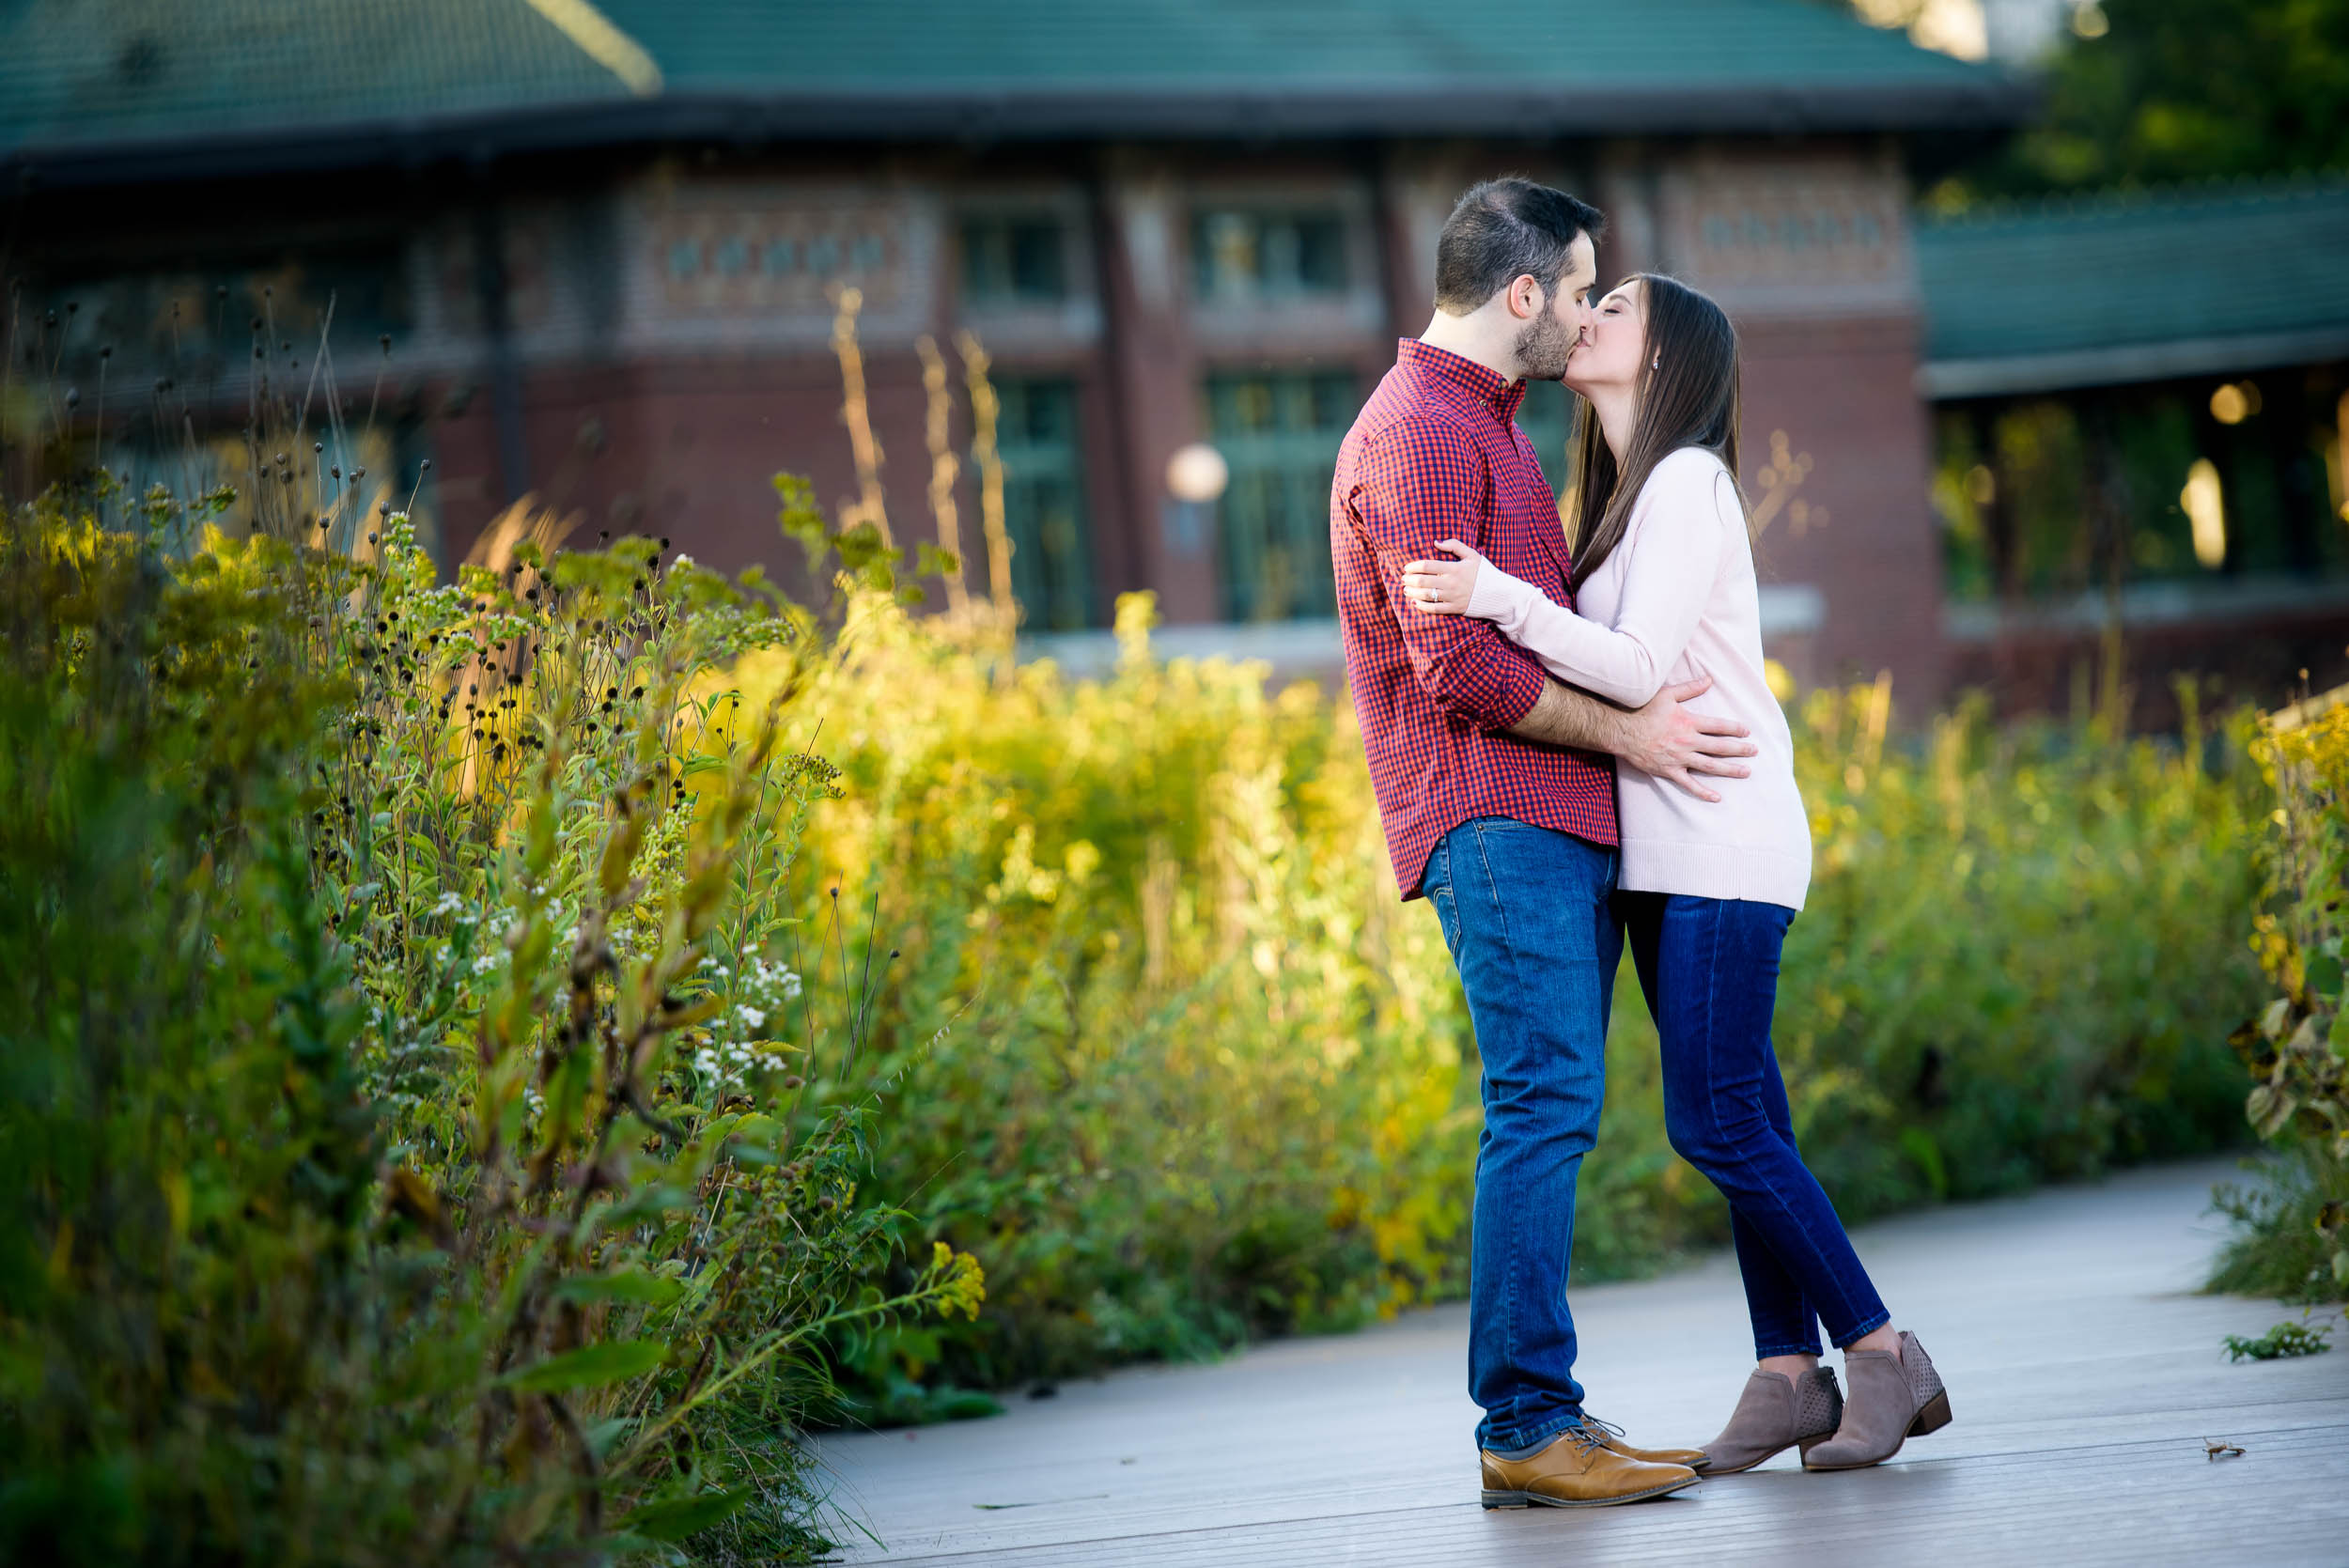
1664 740
1421 481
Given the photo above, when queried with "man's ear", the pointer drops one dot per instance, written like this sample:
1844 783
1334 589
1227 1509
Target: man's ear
1524 296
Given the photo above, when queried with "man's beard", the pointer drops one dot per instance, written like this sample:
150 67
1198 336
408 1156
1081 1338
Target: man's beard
1543 348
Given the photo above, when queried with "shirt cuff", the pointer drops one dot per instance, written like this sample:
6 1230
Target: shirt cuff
1522 683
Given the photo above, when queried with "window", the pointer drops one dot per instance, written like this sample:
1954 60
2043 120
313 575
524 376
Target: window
1280 433
1044 508
1546 418
1244 254
1015 260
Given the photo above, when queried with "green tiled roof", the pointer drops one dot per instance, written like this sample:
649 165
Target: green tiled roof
84 77
2136 285
76 72
1302 44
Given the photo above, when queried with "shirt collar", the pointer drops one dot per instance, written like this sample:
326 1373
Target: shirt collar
1483 384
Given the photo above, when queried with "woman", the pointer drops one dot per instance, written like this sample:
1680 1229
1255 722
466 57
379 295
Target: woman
1663 580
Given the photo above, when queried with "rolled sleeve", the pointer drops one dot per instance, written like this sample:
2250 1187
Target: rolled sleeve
1423 482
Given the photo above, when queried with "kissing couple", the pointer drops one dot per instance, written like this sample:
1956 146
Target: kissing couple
1573 744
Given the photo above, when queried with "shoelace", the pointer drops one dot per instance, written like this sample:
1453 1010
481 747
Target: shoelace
1591 1433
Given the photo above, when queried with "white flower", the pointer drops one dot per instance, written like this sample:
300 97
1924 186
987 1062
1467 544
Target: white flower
751 1018
484 964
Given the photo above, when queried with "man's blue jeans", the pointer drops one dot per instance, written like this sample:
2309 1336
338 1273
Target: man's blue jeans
1710 967
1525 912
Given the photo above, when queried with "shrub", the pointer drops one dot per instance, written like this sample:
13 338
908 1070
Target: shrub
1155 1048
1163 1048
2292 1235
2022 951
402 1157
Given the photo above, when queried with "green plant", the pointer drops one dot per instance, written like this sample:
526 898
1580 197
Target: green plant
2021 949
2283 1220
2296 1234
409 1153
1201 1077
2285 1339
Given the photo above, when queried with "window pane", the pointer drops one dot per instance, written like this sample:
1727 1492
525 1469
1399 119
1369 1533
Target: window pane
1037 255
1044 510
1280 433
1546 418
1015 260
1321 254
1243 254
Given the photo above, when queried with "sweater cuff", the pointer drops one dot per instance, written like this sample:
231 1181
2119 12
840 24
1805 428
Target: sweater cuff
1497 596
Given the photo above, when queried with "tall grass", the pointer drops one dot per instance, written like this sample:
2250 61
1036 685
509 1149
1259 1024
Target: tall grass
482 1065
1162 1046
409 1152
2292 1222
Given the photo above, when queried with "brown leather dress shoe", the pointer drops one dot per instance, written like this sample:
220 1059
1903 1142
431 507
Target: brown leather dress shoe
1577 1469
1614 1438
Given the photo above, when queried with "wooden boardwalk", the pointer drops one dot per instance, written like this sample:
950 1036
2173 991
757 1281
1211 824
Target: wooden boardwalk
2085 1375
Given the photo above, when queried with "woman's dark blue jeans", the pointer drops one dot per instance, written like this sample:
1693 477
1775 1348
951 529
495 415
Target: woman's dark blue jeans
1709 967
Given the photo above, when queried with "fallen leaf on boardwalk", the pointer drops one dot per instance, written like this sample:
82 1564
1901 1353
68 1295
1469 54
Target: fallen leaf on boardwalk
2218 1448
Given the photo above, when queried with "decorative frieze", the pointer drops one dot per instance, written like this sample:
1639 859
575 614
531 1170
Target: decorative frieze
1825 235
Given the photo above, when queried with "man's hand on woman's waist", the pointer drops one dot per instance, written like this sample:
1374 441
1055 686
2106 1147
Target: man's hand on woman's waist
1664 739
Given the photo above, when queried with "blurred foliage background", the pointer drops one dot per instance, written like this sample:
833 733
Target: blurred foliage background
489 1065
2151 92
409 1155
485 1067
1164 1051
2292 1224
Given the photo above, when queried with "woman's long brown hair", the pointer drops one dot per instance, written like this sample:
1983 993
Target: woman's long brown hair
1687 399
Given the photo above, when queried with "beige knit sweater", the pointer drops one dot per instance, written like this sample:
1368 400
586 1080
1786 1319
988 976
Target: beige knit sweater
1677 599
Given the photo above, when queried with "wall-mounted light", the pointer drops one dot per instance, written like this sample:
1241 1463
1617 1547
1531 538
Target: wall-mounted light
1197 474
2234 402
2206 510
2340 450
1195 478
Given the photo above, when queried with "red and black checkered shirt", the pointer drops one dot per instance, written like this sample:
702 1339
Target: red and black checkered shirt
1437 455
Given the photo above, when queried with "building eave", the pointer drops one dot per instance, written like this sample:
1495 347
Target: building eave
967 115
1951 380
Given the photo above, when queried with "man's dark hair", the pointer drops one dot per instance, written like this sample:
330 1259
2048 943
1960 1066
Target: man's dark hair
1502 230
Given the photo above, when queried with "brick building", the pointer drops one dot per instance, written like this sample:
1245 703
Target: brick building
2141 403
605 246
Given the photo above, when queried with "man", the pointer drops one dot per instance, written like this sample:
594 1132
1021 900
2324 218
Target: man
1495 808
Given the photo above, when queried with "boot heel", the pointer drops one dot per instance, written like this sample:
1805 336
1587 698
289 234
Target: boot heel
1934 1416
1809 1443
1505 1500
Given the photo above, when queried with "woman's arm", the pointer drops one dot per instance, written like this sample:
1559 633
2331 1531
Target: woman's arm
1676 556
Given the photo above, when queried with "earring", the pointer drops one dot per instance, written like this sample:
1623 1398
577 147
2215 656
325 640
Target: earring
1657 364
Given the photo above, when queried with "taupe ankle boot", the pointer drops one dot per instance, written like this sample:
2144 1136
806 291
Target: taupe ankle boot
1773 1414
1893 1398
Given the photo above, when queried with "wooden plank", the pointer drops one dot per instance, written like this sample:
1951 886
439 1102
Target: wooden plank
2084 1372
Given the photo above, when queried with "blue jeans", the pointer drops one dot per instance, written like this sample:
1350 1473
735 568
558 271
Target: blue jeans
1525 912
1709 967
